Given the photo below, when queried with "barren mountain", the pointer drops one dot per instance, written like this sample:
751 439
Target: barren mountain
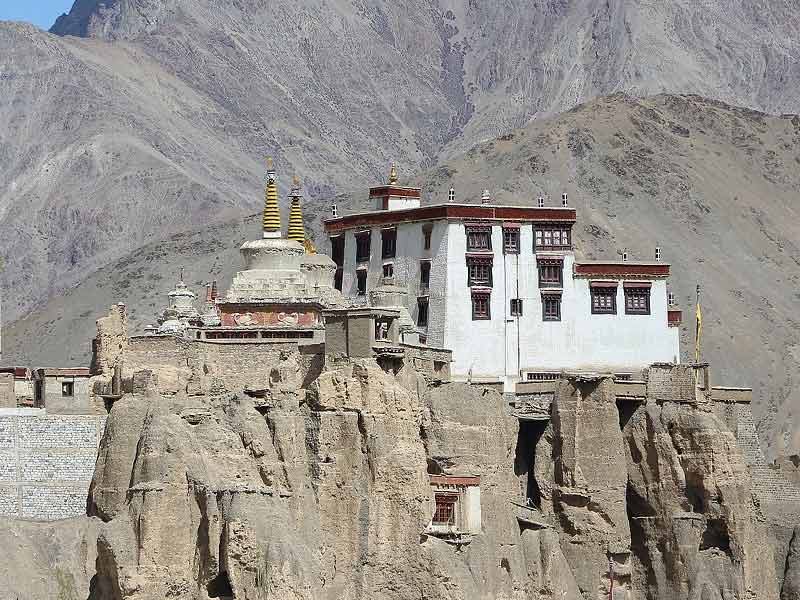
147 118
715 186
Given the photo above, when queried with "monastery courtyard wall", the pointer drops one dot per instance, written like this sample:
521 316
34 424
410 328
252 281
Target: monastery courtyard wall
46 463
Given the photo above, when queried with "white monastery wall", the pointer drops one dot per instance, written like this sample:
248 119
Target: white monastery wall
46 463
580 340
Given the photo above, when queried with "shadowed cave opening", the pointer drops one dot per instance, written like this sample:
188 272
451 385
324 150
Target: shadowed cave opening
716 536
529 434
220 586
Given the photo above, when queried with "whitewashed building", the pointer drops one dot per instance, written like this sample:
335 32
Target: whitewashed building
500 287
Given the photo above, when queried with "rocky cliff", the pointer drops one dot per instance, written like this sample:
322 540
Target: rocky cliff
316 484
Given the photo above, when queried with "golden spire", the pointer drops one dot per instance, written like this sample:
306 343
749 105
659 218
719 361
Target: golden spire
272 214
393 175
297 231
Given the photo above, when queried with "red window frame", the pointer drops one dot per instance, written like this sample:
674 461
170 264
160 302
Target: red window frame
479 271
479 238
551 272
604 299
552 237
445 511
481 306
551 307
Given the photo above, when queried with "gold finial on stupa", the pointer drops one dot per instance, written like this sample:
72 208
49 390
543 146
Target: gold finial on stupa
272 214
297 231
393 175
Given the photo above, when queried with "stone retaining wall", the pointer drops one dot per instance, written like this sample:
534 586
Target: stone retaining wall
46 463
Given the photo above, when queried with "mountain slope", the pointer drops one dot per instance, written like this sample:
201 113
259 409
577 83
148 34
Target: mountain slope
156 117
715 186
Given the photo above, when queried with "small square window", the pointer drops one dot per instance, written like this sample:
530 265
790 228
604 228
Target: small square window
604 300
445 513
427 231
551 307
511 241
388 271
637 301
67 389
361 282
516 307
480 307
388 243
362 246
422 312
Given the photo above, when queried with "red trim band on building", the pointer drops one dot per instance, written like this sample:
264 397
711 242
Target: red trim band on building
452 211
622 269
454 480
508 225
638 284
390 190
603 284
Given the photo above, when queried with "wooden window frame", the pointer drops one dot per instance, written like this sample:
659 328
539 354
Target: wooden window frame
596 291
544 235
475 232
516 307
475 263
481 299
389 242
444 514
360 257
548 302
546 268
390 267
511 233
633 294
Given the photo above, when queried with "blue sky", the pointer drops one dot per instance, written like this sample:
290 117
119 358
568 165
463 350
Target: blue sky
42 13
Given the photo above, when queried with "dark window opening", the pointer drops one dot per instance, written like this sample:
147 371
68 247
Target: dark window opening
541 376
516 307
427 231
550 273
220 587
637 301
445 513
67 389
388 271
551 307
511 241
362 246
480 307
338 278
604 300
479 239
552 238
361 282
388 243
422 312
479 271
425 273
337 250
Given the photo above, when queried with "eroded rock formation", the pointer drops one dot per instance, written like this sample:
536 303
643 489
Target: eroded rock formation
316 484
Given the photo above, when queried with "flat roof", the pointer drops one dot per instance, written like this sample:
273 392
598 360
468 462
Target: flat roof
434 212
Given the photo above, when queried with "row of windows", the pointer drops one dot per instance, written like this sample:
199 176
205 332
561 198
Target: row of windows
388 273
479 239
604 302
479 272
546 237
